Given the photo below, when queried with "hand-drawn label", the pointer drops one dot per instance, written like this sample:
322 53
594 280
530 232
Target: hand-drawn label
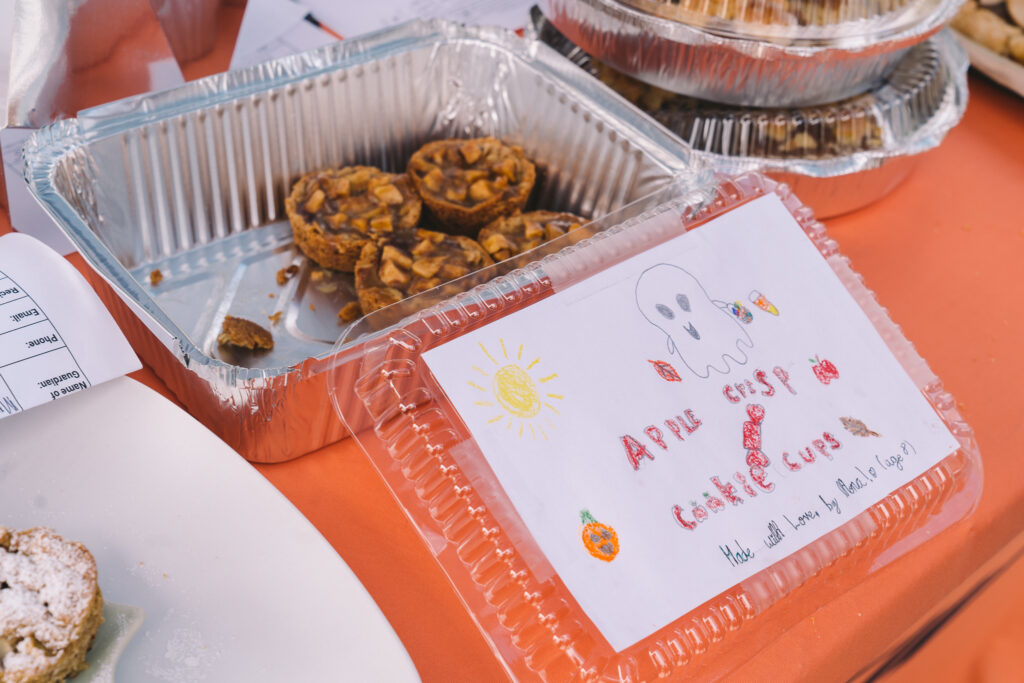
710 444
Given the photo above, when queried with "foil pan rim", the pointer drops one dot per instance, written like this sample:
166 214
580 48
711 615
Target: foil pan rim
230 85
863 45
48 145
280 71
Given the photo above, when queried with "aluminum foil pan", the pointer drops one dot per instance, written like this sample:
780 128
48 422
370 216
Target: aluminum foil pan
764 71
191 182
836 157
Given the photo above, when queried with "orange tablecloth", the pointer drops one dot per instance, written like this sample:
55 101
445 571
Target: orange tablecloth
942 253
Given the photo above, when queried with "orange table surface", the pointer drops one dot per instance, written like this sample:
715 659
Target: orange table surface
943 254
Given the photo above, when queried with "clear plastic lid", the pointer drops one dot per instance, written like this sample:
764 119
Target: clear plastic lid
887 115
923 97
481 414
741 64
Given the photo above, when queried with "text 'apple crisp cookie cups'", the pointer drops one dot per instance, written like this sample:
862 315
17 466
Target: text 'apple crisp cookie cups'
424 424
192 182
836 157
752 53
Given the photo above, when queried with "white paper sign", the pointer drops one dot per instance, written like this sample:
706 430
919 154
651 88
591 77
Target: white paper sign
684 419
272 29
276 28
56 338
351 19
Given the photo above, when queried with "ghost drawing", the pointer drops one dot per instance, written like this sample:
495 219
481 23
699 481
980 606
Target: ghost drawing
698 329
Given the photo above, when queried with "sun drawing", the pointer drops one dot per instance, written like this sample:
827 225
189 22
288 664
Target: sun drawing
518 390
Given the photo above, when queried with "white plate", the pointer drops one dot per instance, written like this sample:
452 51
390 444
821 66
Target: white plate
236 584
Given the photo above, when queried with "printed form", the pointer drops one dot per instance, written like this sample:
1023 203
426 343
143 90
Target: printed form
56 337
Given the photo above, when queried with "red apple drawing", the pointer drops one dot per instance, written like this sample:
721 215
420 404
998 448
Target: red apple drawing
824 370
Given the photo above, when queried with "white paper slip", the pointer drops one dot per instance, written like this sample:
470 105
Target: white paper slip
700 411
277 28
350 19
56 337
272 29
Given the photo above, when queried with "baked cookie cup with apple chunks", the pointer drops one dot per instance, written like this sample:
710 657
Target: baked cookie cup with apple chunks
408 262
466 184
510 236
334 213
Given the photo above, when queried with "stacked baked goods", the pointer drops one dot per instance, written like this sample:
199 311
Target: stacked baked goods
834 98
50 606
458 208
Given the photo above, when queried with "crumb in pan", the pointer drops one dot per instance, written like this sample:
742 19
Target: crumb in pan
286 274
244 334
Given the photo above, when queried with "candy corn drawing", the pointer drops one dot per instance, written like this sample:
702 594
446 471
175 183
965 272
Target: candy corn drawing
741 312
761 301
600 540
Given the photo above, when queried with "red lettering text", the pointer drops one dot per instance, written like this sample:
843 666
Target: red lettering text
760 478
728 491
674 427
714 503
654 434
677 512
743 482
635 451
783 377
762 377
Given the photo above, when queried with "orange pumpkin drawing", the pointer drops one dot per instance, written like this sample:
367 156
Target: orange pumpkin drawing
600 540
